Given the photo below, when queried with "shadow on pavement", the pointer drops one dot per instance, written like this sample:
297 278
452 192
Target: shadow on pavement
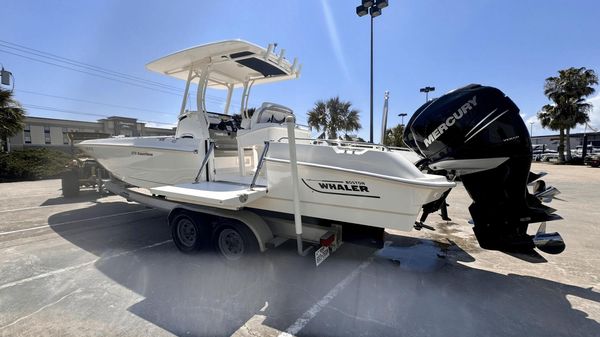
531 257
449 228
411 287
83 196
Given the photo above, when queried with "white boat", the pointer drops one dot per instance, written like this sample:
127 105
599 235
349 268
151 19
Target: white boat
339 181
264 163
157 161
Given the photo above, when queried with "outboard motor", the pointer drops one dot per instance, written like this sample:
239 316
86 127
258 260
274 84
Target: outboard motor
475 132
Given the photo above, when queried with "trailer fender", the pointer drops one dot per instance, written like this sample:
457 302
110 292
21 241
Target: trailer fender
258 226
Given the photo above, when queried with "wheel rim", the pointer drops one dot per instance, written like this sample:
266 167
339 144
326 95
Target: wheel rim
231 244
186 232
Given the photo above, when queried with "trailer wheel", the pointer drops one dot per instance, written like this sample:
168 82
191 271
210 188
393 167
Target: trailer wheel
235 242
187 233
70 184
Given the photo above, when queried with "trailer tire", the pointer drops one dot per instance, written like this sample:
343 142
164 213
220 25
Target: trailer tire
70 184
187 232
235 242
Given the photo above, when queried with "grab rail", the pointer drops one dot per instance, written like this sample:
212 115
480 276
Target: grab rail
259 165
211 147
349 142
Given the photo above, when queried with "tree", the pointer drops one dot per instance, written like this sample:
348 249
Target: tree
567 91
334 116
550 117
393 136
12 116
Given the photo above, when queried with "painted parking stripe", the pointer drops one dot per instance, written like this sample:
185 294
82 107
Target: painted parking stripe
254 326
323 302
81 265
73 221
37 207
45 206
40 309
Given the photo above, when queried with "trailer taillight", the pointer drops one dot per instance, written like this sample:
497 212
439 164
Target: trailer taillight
327 239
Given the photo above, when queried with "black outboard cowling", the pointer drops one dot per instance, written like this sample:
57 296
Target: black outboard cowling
476 133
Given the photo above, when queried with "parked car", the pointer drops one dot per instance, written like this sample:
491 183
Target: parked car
539 150
593 160
546 155
591 150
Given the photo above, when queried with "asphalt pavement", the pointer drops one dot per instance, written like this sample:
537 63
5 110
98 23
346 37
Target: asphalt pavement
101 266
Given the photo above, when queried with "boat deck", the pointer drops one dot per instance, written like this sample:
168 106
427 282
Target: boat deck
222 194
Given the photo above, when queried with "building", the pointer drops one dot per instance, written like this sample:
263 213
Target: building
551 141
57 133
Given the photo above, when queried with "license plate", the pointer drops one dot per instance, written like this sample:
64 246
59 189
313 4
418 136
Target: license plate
321 254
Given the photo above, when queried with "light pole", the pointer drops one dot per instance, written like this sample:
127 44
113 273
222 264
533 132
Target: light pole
5 76
373 8
426 90
530 129
402 115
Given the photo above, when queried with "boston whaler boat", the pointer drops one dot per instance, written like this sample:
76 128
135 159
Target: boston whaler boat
267 180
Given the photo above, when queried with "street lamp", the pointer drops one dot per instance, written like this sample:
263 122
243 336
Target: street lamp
531 129
5 75
402 115
373 8
426 90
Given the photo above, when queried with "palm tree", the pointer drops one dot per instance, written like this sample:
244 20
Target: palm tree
550 117
567 91
12 116
333 116
578 113
393 136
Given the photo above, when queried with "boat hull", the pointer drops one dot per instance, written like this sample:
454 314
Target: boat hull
148 161
363 186
384 189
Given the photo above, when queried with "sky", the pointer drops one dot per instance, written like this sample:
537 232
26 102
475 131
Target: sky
512 45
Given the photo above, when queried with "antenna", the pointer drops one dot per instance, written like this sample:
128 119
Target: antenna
269 50
281 56
386 97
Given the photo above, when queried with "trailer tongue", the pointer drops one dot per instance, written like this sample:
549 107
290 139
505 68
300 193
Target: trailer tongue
476 133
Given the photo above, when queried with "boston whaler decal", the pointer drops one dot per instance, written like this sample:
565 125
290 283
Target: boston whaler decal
340 187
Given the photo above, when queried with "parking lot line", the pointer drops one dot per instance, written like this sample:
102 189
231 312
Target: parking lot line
63 270
83 203
28 196
73 221
301 322
40 309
